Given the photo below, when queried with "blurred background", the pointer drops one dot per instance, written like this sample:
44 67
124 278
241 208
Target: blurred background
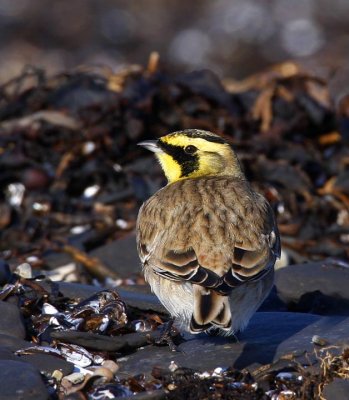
71 176
233 38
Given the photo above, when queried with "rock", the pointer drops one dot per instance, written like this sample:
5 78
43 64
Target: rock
273 302
338 390
54 259
269 336
99 342
11 320
75 377
13 343
5 273
47 364
320 288
120 256
74 290
131 296
23 381
24 271
141 301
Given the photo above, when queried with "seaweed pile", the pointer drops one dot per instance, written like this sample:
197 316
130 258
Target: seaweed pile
70 165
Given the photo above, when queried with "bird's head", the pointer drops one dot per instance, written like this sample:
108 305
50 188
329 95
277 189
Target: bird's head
194 153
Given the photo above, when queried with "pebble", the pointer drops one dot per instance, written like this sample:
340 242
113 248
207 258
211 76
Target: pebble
24 271
111 365
58 375
75 377
316 339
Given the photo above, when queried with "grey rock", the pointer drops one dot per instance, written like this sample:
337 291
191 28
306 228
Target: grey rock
13 343
46 363
11 320
269 336
95 341
120 256
74 290
54 259
23 382
273 302
319 288
132 296
337 390
141 301
6 353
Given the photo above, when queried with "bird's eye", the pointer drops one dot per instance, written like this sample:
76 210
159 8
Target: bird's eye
190 149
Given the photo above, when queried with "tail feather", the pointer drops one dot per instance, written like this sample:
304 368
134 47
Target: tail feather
210 309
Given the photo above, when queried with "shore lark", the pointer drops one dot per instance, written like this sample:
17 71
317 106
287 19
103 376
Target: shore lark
207 241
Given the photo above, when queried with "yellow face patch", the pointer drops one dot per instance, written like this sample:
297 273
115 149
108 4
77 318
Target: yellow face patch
212 157
170 167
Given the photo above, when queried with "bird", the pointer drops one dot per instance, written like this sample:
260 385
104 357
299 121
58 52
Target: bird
207 241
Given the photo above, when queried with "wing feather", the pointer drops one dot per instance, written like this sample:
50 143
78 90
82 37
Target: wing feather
250 259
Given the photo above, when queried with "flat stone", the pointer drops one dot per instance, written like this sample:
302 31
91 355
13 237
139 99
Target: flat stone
131 296
319 288
21 381
13 343
337 390
54 259
120 256
269 336
47 363
98 342
273 302
11 322
74 290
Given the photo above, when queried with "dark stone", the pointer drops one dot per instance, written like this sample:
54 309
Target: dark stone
337 390
273 302
21 381
46 363
269 336
120 256
131 296
13 343
74 290
141 301
5 273
106 343
320 288
11 320
53 259
6 353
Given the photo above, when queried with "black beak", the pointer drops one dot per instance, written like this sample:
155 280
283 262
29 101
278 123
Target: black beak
151 145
